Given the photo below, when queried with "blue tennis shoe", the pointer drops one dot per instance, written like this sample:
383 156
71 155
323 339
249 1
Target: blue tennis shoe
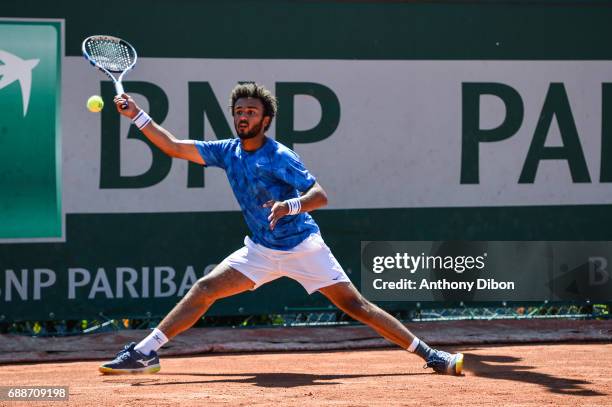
129 361
445 363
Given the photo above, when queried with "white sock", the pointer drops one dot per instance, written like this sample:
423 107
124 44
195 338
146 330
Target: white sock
420 348
413 345
153 342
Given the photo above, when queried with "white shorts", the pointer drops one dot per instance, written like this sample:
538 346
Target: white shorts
310 263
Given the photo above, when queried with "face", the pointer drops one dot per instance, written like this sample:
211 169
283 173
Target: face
249 120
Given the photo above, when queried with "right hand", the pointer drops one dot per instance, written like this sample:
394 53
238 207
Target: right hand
132 108
277 211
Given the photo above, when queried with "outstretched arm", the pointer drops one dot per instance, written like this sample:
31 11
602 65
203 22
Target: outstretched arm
159 136
314 198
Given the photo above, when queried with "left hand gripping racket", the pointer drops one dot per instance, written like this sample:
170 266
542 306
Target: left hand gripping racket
110 55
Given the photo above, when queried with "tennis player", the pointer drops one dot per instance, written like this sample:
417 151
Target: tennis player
275 192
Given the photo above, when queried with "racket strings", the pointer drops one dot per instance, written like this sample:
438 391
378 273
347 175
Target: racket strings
111 55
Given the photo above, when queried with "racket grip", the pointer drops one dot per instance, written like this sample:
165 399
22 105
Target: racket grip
119 90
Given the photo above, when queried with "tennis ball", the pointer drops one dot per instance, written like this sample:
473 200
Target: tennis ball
95 104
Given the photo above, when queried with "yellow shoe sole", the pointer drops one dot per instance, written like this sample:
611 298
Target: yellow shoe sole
459 365
149 370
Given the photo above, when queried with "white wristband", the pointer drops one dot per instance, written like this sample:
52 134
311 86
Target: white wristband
141 119
295 206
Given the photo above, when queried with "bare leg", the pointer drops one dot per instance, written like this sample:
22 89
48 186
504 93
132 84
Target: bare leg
346 297
223 281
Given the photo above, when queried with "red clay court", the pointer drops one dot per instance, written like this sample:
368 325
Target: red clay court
527 374
549 374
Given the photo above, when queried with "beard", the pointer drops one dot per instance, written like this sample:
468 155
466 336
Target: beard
255 130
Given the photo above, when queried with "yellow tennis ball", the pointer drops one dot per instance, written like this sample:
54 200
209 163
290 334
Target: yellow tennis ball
95 104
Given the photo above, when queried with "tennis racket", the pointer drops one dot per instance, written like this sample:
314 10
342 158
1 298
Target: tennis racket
111 55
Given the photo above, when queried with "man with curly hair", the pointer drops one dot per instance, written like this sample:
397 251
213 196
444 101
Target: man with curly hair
276 193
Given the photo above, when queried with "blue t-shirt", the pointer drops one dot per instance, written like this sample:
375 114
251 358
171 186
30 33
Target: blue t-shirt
273 172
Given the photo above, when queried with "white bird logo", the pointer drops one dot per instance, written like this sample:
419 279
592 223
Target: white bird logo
14 69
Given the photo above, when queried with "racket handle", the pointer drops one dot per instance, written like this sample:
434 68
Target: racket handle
119 90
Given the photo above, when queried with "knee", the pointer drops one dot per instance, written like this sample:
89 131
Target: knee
202 292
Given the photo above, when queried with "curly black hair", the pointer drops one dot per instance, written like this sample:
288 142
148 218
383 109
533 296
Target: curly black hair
256 91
